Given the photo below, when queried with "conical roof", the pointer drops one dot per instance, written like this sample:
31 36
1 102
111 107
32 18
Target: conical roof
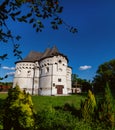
50 52
37 56
33 56
54 50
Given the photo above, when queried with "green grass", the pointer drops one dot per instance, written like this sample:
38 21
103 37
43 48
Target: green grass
43 102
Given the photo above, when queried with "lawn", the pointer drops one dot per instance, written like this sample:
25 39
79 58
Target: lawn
43 102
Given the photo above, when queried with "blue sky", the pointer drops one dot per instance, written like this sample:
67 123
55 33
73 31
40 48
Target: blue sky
93 45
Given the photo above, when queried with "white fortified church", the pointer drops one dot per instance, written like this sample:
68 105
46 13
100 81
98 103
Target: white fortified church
44 73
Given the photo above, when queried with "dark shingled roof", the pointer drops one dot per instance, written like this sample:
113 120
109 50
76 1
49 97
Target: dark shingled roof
50 52
33 56
36 56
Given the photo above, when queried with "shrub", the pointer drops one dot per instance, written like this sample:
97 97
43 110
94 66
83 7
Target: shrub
55 119
106 108
18 110
88 107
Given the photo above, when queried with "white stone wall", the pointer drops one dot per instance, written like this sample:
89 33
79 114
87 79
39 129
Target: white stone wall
69 82
51 71
45 77
24 76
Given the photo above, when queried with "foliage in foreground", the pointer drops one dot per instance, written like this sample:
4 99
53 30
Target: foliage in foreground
106 108
88 107
103 112
54 119
94 115
18 110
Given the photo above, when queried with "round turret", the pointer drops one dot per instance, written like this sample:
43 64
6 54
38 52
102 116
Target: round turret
53 72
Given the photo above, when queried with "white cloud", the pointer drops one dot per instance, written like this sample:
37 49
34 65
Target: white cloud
8 68
85 67
10 73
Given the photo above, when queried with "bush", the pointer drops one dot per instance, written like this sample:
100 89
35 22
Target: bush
88 107
55 119
102 114
106 108
18 110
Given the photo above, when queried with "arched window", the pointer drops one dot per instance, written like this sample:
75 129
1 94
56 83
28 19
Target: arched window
47 70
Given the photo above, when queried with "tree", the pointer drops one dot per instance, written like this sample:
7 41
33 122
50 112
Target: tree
106 108
88 107
86 85
18 110
105 73
74 80
38 11
83 83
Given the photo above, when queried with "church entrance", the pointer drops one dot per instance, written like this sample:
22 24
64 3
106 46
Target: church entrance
59 89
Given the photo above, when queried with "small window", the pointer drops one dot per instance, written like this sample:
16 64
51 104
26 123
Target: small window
28 73
59 80
60 61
